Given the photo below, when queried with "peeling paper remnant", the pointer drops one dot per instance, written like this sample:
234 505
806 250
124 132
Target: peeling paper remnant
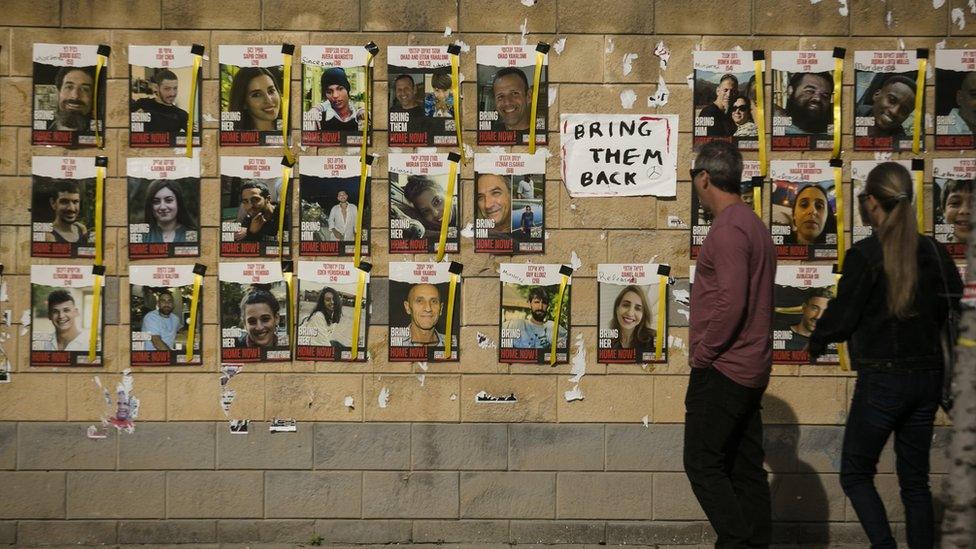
645 420
842 10
660 97
676 342
664 53
690 80
468 230
422 366
574 261
889 19
497 150
448 31
207 117
524 27
573 394
559 46
578 368
629 59
25 322
936 4
675 222
882 156
972 7
3 292
627 98
384 397
528 3
485 341
349 402
551 97
421 378
958 18
485 396
610 46
463 45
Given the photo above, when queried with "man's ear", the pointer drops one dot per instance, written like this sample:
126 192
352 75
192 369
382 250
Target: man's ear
406 307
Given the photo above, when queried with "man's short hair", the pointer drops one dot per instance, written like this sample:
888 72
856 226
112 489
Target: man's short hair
898 79
416 185
538 293
402 77
723 162
63 72
57 297
512 70
64 186
826 292
161 293
259 185
797 77
164 74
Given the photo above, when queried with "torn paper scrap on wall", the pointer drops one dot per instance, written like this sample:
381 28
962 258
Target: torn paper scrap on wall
384 397
629 59
578 368
574 394
661 94
349 402
663 53
485 396
627 98
485 341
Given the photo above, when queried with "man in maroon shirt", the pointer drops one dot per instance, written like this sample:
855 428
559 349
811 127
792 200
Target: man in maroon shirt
730 356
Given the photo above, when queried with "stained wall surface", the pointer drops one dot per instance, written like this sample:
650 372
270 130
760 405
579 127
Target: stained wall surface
432 465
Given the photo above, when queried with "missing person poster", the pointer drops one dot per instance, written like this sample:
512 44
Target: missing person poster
619 154
630 309
160 297
334 80
952 191
803 204
250 203
164 207
326 312
506 75
418 190
251 84
160 78
725 98
860 227
884 93
421 99
509 203
254 313
330 202
701 219
61 315
955 99
64 106
800 298
803 100
419 308
529 298
63 207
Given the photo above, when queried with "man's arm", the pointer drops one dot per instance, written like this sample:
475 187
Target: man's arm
730 254
159 344
154 327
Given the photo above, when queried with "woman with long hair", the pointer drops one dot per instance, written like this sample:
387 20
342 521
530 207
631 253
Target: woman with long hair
255 94
891 306
325 317
632 320
260 314
166 212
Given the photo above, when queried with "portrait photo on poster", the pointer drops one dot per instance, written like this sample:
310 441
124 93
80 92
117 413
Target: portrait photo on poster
803 219
334 93
251 84
630 312
509 203
725 98
160 78
952 191
701 219
63 207
884 94
326 310
527 319
803 100
62 298
860 226
160 300
955 99
250 204
418 194
164 207
64 102
254 313
800 298
506 76
421 97
328 192
419 304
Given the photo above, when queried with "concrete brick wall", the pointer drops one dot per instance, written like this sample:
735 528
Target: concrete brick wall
432 465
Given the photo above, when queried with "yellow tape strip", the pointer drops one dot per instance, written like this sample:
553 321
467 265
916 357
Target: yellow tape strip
966 342
757 200
838 87
192 326
99 213
555 320
919 202
290 292
761 115
449 319
456 89
282 205
662 313
193 105
536 78
96 309
919 97
357 312
446 216
368 99
99 65
363 177
839 198
845 361
285 110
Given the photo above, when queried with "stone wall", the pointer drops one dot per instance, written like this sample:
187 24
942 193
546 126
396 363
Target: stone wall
432 465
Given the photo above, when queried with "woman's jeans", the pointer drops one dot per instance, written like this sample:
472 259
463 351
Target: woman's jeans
903 402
